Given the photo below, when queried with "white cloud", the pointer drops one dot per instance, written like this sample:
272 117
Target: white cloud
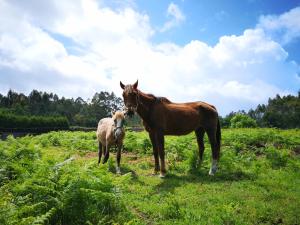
175 15
237 73
284 28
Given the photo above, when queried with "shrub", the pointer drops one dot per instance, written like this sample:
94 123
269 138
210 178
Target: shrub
241 120
16 122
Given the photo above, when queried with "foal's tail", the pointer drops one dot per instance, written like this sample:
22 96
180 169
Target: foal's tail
218 134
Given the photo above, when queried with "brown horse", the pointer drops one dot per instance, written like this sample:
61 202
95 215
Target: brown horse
163 117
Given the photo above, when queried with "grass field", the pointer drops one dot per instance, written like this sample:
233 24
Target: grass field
258 181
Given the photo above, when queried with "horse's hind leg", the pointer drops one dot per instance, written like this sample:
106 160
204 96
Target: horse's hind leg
200 134
106 156
99 152
161 151
215 150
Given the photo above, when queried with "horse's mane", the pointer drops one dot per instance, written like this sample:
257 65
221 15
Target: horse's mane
160 99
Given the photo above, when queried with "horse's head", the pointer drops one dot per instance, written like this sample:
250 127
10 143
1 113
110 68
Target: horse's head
118 118
130 96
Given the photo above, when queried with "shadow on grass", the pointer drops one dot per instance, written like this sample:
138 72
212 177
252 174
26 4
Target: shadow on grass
135 178
126 169
173 180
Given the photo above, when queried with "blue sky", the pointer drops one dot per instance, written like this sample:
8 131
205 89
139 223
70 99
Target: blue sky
233 54
208 20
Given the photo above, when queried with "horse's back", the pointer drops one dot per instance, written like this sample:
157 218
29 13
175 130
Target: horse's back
182 118
104 128
190 107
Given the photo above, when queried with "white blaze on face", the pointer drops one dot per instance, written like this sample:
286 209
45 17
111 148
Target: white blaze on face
119 126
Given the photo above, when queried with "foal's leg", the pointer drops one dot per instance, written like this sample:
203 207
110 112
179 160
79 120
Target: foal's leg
215 151
161 142
155 152
200 134
118 170
106 156
99 152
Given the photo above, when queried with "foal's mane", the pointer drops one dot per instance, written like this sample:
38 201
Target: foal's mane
118 114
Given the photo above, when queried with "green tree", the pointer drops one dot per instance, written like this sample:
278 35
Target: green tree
281 112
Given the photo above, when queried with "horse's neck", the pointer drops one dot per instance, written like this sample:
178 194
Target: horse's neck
144 106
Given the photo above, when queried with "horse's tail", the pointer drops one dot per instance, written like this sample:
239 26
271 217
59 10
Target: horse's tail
218 134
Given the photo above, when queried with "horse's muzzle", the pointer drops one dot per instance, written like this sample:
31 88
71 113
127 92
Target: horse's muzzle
118 133
130 111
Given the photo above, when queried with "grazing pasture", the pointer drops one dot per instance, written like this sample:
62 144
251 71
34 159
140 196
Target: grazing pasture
54 178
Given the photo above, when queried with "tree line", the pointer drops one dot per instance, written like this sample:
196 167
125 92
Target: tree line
78 112
281 112
11 123
48 108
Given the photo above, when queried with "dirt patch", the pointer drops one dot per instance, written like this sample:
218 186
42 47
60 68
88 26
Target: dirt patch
135 158
90 155
131 158
144 217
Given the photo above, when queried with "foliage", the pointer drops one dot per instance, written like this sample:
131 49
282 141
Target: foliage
43 123
35 191
241 121
258 181
281 112
78 112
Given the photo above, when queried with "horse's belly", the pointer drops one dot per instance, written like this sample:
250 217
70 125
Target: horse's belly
178 132
180 128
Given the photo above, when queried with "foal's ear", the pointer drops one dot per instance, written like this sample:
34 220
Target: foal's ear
122 85
112 113
135 85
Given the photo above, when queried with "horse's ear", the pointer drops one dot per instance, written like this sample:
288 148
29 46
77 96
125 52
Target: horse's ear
122 85
135 85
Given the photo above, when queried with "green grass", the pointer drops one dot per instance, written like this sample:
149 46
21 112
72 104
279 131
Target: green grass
258 181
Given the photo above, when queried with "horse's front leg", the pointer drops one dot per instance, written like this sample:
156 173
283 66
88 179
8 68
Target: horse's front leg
118 170
161 150
155 152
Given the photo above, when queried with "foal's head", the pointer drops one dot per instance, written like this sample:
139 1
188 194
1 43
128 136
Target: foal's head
118 118
130 96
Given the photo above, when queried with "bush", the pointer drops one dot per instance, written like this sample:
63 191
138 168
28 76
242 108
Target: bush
241 121
44 123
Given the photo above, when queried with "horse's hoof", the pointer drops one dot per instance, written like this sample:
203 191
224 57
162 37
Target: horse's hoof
212 172
162 175
118 171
